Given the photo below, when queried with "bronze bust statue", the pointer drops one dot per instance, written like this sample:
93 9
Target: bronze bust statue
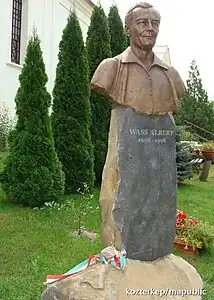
137 77
138 81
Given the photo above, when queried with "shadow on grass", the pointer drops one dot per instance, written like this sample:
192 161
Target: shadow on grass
185 185
188 186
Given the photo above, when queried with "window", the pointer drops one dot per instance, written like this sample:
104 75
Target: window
16 31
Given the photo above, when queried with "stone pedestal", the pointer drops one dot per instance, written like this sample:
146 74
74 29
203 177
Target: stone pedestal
138 193
169 278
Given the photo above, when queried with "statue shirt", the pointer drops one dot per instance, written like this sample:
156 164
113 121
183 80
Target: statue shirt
126 82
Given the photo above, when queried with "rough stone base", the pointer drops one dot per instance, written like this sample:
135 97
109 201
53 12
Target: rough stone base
103 282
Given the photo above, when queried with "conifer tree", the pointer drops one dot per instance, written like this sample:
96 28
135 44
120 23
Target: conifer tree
71 116
32 174
118 38
183 157
98 48
195 106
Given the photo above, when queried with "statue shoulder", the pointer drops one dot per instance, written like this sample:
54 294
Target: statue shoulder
172 71
104 76
108 64
177 81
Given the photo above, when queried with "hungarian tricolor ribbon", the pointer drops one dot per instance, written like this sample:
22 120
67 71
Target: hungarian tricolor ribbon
117 262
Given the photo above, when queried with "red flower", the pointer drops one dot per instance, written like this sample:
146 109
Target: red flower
181 219
193 221
182 215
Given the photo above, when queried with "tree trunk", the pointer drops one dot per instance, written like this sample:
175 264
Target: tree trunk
205 171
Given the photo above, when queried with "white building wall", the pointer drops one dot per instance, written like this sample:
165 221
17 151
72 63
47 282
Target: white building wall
49 17
8 72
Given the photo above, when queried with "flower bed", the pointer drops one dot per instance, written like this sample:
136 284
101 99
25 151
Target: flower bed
191 235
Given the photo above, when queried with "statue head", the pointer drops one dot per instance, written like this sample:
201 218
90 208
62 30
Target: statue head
142 23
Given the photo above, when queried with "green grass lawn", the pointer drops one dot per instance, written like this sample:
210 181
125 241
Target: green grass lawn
34 243
197 199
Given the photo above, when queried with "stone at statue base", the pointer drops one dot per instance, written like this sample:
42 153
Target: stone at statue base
169 278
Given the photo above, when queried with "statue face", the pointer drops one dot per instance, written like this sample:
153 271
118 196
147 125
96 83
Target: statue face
144 27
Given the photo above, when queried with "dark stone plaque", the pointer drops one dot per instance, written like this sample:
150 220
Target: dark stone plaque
145 207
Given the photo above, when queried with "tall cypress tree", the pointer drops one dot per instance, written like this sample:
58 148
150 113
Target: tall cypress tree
32 174
71 116
98 47
195 106
118 38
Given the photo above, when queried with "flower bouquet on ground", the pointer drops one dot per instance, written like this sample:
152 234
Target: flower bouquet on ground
192 235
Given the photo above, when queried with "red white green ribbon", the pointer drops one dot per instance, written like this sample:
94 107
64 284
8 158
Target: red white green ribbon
117 262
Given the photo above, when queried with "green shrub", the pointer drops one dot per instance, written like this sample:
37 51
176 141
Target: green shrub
183 157
118 38
98 47
5 123
32 174
71 116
